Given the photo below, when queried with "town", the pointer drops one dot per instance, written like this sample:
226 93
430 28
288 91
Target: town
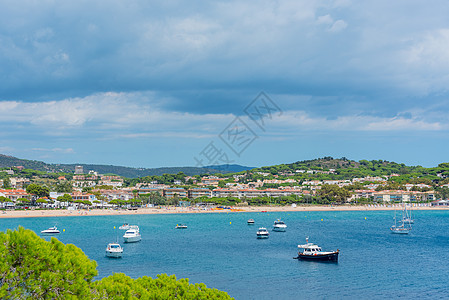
21 188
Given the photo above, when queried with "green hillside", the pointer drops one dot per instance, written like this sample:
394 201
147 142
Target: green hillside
11 161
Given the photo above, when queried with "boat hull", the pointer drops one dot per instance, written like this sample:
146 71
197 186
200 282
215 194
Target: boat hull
132 239
400 231
114 254
279 229
319 257
263 236
44 232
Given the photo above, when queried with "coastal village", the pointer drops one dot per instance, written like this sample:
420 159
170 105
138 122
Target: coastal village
88 189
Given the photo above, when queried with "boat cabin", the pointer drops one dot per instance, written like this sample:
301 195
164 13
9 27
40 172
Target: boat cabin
311 249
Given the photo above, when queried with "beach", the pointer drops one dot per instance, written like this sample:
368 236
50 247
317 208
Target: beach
37 213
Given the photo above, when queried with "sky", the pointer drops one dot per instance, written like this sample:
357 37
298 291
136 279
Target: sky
195 83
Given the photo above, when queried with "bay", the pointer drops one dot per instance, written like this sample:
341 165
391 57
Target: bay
222 251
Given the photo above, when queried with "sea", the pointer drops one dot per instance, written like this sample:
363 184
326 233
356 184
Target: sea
222 251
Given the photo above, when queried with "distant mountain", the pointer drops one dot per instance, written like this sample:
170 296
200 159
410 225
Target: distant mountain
230 168
11 161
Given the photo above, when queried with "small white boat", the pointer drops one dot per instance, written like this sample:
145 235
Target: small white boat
262 233
125 226
51 230
279 225
114 250
181 226
132 235
251 222
401 229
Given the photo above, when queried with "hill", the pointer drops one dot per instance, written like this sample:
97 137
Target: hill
11 161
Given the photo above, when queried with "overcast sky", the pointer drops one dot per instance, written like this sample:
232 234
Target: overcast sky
164 83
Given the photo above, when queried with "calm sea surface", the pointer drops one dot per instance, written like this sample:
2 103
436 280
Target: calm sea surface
222 251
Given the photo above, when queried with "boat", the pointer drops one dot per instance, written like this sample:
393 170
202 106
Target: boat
262 233
132 235
51 230
408 220
279 225
407 216
313 252
251 222
114 250
181 226
402 227
125 226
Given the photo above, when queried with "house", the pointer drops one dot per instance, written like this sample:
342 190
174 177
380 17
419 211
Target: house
198 192
440 203
19 183
13 195
172 192
401 196
207 181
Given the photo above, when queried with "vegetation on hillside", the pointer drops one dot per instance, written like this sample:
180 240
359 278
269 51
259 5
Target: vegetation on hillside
10 161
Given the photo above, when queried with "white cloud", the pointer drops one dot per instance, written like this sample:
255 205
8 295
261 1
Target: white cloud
339 25
136 116
326 19
58 150
294 121
430 50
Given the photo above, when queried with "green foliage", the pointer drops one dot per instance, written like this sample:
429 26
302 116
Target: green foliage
65 198
6 183
120 286
32 268
64 187
104 187
40 191
333 193
41 168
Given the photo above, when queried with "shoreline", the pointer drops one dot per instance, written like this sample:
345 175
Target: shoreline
180 210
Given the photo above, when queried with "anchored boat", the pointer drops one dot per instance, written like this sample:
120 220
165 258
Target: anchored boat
132 235
114 250
262 233
279 225
50 231
312 251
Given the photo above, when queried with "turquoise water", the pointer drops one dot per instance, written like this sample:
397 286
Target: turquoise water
222 251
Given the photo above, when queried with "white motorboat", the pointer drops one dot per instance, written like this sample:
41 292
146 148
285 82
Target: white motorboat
262 233
279 225
114 250
181 226
132 235
125 226
50 231
251 222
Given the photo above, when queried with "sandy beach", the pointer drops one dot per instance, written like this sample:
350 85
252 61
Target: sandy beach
179 210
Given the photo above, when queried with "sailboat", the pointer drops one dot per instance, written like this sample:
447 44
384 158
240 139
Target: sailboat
401 227
407 216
